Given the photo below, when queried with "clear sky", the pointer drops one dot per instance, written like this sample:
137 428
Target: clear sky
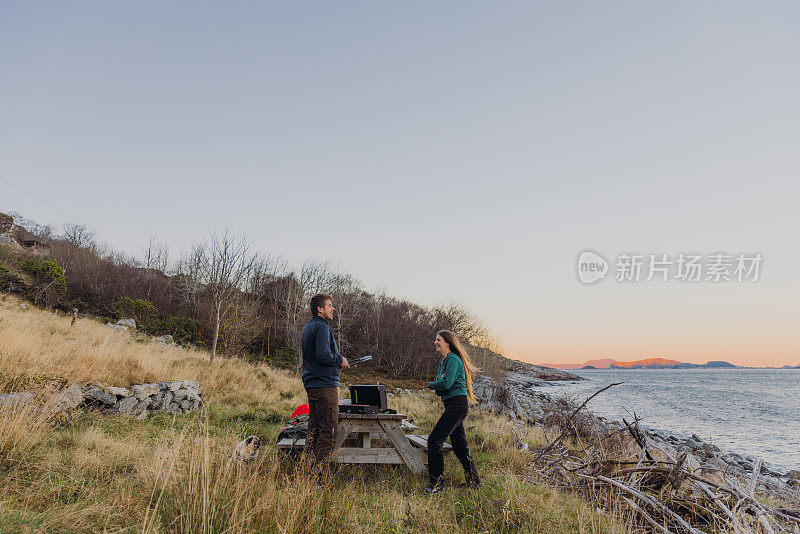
448 150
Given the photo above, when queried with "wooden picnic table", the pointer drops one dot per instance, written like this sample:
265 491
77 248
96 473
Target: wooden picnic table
401 449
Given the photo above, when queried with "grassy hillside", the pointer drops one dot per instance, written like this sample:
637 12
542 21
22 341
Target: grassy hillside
111 473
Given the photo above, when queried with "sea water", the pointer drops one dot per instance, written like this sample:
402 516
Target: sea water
753 412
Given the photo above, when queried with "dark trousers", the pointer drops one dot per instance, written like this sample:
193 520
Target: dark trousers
323 418
451 423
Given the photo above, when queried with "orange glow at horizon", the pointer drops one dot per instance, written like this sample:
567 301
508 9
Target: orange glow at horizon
746 351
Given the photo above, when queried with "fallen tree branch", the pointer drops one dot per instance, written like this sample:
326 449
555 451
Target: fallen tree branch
564 432
651 501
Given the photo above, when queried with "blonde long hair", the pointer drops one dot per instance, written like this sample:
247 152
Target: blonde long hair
469 367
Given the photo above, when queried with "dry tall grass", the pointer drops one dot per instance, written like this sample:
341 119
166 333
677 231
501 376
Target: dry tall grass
101 473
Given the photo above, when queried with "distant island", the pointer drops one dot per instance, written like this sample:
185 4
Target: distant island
652 363
661 363
649 363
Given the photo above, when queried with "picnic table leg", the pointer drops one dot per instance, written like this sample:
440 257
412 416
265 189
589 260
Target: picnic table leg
403 446
341 434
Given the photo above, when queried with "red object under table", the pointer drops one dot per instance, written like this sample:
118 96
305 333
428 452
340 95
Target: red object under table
300 410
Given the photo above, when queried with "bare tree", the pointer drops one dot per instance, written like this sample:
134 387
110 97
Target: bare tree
222 263
456 317
78 235
155 255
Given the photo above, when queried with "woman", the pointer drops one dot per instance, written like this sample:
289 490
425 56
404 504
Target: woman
454 386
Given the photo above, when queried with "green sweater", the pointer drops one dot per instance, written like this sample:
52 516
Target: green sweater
451 379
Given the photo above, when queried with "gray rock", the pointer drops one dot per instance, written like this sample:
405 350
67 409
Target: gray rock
127 323
127 405
194 386
692 463
173 409
120 392
664 447
145 390
65 401
96 393
143 405
178 384
15 399
168 396
186 405
142 416
157 400
496 397
689 444
181 394
716 464
9 241
775 485
6 223
793 475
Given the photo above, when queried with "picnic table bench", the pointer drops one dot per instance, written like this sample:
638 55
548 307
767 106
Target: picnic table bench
363 428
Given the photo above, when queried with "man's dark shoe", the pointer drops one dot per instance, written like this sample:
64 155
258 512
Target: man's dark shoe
434 487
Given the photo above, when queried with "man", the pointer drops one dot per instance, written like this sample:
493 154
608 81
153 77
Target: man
321 365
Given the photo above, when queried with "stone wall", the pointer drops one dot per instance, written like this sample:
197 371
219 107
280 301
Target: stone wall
175 398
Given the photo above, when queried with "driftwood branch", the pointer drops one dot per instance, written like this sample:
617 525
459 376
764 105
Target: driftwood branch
664 496
566 423
652 502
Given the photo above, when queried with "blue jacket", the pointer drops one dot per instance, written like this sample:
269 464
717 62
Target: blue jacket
321 359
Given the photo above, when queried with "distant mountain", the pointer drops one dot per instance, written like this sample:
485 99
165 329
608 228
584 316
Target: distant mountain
649 363
718 364
661 363
603 363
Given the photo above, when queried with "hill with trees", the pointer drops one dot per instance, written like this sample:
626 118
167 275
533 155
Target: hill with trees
222 295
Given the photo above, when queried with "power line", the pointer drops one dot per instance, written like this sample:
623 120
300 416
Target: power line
62 212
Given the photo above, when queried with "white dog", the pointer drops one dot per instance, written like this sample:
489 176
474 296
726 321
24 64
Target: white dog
246 450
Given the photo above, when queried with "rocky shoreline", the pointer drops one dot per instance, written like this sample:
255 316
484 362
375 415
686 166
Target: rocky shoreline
515 398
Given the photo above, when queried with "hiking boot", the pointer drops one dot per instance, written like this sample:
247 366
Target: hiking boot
471 476
434 487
